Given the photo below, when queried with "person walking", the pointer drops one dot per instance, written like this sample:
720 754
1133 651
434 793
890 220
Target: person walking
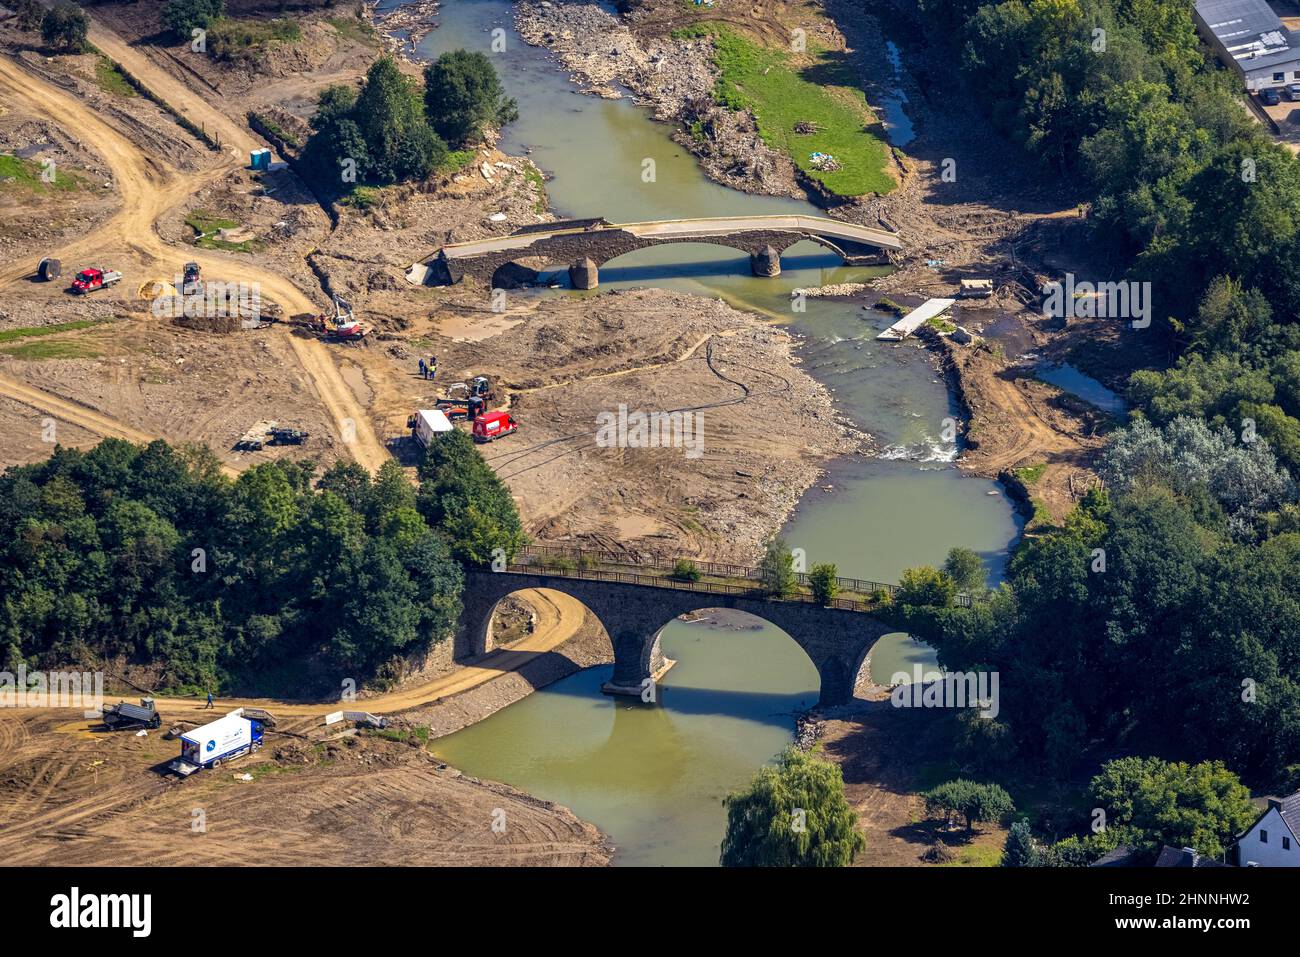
424 370
433 367
209 705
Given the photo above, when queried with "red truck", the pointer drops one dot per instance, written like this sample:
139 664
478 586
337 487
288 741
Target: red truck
88 280
493 425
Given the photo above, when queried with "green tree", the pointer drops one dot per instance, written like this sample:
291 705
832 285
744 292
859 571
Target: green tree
926 586
969 800
1020 849
1203 806
966 569
462 95
65 26
776 568
792 815
183 17
460 495
824 581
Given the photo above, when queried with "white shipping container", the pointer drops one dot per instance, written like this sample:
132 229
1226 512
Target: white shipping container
430 422
217 739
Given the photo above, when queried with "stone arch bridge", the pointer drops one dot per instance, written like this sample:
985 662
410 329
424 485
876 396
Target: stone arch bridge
586 245
635 607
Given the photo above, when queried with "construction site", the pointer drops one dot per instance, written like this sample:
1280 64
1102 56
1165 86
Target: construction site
166 272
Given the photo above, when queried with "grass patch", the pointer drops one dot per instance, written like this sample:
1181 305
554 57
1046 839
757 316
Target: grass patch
363 197
534 176
781 92
206 225
941 324
456 160
110 78
1030 474
249 39
354 28
885 304
26 174
977 855
62 349
420 734
268 125
26 332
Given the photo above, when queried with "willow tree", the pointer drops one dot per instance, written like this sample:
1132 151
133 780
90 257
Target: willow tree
793 814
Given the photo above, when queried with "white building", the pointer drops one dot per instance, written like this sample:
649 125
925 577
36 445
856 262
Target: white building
1248 36
1271 841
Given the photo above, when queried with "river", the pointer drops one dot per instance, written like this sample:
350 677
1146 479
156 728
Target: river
653 778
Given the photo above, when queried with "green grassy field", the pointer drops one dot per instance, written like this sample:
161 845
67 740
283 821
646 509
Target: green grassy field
25 174
781 93
28 332
206 224
59 349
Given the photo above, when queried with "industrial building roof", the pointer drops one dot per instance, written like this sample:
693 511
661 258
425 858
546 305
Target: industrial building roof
1250 31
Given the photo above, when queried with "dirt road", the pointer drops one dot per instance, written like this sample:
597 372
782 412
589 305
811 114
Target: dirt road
149 188
80 415
559 618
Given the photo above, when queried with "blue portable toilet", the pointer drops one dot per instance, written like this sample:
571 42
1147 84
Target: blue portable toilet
259 159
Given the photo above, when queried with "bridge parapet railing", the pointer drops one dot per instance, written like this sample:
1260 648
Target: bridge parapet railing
592 558
662 581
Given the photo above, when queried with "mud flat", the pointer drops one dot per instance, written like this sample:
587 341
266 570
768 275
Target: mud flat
71 796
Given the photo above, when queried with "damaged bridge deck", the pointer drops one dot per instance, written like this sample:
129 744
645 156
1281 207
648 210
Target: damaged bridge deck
585 245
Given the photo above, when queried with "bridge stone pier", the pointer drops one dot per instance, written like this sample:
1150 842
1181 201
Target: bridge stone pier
836 640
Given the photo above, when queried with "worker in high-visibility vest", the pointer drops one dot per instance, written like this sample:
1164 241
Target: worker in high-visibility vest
433 367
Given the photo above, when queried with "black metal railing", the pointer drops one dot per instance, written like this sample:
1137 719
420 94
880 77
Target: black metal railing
607 566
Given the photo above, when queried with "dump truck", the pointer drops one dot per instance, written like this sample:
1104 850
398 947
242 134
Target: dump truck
88 280
217 742
120 716
490 426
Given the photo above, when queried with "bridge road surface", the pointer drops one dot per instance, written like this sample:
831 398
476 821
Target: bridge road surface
686 229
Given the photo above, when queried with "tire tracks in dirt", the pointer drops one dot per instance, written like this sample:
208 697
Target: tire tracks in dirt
148 189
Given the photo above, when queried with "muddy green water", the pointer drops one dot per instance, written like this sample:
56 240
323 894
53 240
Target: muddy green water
653 778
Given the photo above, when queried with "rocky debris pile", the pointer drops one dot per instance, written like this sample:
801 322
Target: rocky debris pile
414 21
834 289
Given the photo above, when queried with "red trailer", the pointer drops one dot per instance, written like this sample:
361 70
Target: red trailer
493 425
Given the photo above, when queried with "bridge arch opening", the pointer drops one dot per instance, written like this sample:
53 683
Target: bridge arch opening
539 620
754 664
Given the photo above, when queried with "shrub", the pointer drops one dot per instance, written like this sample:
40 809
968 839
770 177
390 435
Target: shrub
824 582
64 27
684 570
